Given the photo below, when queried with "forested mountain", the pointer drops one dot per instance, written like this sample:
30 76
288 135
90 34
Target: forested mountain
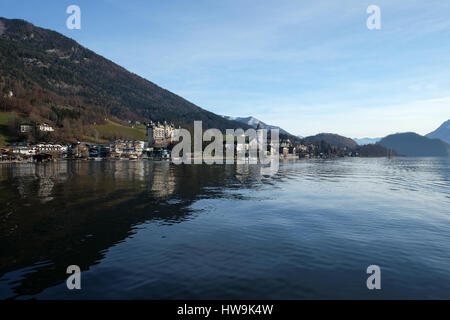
49 77
443 132
413 145
332 139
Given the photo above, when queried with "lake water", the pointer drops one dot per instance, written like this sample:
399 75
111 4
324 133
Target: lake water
152 230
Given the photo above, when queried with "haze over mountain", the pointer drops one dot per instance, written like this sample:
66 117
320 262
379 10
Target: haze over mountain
365 141
49 74
253 122
413 145
443 132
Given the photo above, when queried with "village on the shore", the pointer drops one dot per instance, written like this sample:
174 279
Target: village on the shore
160 140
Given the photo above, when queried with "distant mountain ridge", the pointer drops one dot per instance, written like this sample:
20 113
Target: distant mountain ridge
332 139
443 132
253 122
366 141
413 145
347 145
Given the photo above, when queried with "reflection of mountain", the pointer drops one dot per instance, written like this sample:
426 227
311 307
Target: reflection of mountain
94 207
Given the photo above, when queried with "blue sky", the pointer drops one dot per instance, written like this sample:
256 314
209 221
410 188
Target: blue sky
307 66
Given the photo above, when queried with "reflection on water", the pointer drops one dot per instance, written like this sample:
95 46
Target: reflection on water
143 229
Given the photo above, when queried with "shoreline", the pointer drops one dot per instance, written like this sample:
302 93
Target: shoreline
170 160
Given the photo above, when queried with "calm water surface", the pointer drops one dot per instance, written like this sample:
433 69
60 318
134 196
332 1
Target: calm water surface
151 230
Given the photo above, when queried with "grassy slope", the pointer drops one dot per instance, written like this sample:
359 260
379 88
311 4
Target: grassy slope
106 132
112 130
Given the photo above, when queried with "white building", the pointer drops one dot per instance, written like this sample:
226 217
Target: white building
25 150
49 147
45 127
160 135
25 128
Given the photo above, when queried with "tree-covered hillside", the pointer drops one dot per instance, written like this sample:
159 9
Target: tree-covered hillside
50 77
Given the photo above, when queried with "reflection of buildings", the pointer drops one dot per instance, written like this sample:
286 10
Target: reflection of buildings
248 172
39 180
134 171
159 177
91 213
162 179
160 135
